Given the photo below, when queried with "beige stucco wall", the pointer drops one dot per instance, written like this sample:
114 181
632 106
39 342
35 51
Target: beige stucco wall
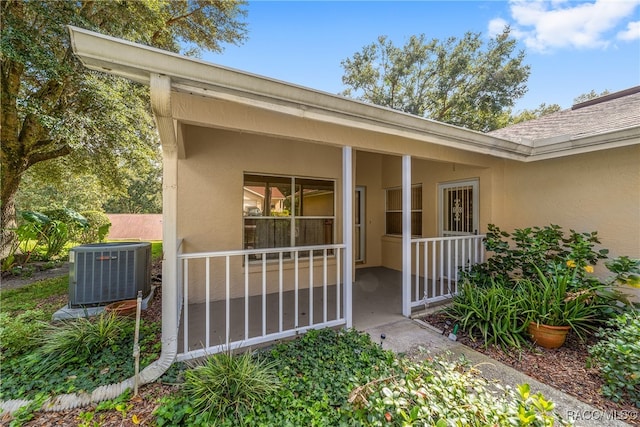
379 172
594 191
597 191
210 200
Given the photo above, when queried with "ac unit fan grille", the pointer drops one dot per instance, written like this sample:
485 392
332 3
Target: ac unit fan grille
103 276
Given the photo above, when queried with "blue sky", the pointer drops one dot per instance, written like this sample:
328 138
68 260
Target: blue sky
572 47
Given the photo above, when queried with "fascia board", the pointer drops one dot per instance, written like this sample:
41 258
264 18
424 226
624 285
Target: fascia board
137 62
550 150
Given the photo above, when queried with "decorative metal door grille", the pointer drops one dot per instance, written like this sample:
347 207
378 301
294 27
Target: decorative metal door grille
459 208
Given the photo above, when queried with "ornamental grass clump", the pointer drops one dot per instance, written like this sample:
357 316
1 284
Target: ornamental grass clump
223 384
559 298
492 313
74 341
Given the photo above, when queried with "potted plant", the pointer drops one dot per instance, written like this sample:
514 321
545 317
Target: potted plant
556 303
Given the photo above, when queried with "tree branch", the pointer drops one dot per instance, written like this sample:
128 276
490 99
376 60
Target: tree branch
173 20
47 155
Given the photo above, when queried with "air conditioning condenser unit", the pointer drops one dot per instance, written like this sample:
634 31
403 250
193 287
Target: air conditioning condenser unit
103 273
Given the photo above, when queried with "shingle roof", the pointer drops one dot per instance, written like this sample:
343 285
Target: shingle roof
609 113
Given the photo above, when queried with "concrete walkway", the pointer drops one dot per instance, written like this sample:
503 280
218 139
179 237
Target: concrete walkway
406 336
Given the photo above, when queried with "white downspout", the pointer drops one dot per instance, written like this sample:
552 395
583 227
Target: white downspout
161 106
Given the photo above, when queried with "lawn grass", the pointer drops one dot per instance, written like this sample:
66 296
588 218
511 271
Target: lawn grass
156 250
35 295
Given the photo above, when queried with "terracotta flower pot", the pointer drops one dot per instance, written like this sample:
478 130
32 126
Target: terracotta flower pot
123 308
548 336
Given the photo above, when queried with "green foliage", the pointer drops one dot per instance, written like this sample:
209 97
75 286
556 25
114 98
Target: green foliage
316 371
142 193
74 341
537 274
438 392
98 226
618 356
456 81
626 270
517 255
331 378
536 113
49 231
53 107
26 376
223 385
20 334
156 251
493 313
560 299
37 295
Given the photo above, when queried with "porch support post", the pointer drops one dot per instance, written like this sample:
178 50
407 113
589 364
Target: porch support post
406 235
347 233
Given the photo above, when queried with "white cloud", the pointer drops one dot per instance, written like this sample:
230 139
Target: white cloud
546 25
631 33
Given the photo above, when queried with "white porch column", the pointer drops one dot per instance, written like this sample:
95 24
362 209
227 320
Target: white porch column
347 233
406 235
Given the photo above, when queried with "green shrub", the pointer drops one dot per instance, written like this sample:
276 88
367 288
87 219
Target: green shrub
342 378
20 334
515 255
493 312
74 341
618 356
441 393
97 228
224 384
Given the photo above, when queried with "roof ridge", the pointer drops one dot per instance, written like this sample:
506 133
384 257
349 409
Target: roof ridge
608 97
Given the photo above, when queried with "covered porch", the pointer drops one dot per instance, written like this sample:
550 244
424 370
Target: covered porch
294 292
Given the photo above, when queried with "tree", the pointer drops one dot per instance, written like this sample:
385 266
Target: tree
452 81
542 110
589 96
52 107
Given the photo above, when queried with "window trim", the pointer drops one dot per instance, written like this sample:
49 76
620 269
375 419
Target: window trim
386 210
292 217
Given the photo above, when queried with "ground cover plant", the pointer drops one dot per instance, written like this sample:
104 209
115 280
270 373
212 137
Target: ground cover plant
342 378
617 355
40 358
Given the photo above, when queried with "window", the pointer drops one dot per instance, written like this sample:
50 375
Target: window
282 211
394 210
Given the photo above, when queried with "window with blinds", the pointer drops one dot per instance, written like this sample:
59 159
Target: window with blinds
394 211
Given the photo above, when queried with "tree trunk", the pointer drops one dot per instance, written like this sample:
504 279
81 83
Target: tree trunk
10 184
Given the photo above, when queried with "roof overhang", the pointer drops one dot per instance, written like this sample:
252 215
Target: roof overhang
141 63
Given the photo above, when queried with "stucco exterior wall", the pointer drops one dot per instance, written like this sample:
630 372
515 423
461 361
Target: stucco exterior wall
587 192
210 201
378 172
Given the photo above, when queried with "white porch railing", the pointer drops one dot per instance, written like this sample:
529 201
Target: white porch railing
437 263
256 296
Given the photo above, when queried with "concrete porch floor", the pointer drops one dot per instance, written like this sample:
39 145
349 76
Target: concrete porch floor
377 300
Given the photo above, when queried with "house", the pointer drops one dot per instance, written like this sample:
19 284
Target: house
279 199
